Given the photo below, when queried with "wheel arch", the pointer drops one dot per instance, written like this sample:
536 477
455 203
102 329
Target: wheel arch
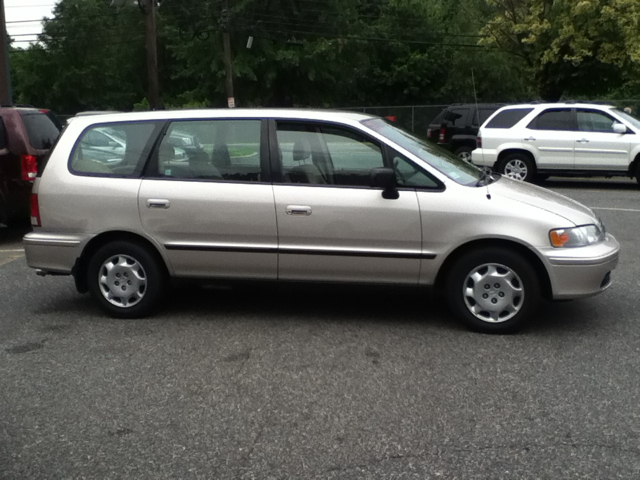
634 167
506 152
530 256
81 266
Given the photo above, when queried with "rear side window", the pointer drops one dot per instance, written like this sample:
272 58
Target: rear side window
42 132
227 150
114 149
556 119
508 118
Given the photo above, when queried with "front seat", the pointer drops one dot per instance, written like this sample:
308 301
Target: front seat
201 167
304 172
220 157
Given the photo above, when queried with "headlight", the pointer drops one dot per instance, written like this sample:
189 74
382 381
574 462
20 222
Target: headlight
577 236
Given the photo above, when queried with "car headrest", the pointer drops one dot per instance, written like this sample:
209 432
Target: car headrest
301 150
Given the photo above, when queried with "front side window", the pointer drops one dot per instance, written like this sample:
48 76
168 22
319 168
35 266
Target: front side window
555 119
113 149
594 121
326 155
227 150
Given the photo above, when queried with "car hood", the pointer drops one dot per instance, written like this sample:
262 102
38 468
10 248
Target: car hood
544 199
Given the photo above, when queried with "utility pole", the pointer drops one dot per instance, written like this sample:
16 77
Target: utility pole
228 66
148 8
5 71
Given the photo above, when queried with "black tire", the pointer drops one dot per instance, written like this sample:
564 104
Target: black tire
137 271
512 290
464 153
518 166
542 177
637 173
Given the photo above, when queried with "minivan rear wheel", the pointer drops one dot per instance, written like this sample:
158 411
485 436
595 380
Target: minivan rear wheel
126 279
493 290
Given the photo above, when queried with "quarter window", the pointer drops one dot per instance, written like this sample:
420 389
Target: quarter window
113 149
227 150
508 118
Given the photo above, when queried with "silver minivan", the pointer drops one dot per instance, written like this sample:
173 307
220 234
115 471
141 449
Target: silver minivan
299 195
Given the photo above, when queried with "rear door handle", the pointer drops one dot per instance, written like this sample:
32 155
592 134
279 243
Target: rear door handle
530 139
584 140
302 210
158 203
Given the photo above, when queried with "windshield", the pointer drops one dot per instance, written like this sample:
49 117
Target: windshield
632 120
445 162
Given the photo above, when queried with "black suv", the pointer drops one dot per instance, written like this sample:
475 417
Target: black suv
26 135
456 127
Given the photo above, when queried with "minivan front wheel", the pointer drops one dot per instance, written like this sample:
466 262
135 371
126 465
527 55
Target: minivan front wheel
493 290
125 279
518 166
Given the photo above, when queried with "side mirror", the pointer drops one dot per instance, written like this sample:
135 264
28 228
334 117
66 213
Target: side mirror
384 178
619 128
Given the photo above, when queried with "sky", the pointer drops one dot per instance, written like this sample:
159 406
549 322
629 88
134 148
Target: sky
24 19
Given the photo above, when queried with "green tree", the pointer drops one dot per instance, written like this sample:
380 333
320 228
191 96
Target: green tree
89 56
580 47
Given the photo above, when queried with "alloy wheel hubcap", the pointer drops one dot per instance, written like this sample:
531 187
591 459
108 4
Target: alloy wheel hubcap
122 281
493 293
516 169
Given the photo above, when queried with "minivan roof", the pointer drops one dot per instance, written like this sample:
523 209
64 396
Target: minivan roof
303 114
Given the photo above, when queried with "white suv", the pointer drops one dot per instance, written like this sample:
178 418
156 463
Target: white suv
564 139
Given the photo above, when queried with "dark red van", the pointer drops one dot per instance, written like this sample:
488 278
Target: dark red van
26 136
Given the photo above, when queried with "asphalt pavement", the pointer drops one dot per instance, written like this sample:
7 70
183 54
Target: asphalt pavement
320 383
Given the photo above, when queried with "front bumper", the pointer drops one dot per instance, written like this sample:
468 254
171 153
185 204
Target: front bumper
53 253
582 272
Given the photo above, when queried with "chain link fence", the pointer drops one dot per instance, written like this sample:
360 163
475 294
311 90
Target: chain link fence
415 118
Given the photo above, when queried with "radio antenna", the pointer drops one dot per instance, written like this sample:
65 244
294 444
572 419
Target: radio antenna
477 115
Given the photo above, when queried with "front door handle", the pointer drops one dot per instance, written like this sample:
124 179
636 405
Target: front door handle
298 210
584 140
158 203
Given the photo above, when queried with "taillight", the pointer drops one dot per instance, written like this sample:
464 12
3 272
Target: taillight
35 211
442 134
478 141
29 167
